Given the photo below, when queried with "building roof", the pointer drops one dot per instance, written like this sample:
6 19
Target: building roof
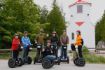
79 2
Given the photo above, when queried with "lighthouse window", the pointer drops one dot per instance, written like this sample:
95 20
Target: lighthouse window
79 8
72 36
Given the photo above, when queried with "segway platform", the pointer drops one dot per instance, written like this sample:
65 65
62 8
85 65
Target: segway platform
12 63
49 61
79 62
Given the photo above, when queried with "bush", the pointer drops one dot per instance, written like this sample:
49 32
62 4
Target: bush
7 39
85 49
32 37
6 42
93 58
4 32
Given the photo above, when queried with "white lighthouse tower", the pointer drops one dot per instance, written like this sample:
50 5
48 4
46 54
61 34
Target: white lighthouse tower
79 19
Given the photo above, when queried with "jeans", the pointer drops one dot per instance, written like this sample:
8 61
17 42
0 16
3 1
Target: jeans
79 50
25 53
39 53
51 57
15 54
64 52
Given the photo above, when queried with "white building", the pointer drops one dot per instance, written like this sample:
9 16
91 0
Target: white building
79 14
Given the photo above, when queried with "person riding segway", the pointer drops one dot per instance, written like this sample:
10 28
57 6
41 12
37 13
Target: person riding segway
40 44
26 48
15 60
49 59
64 42
78 56
54 43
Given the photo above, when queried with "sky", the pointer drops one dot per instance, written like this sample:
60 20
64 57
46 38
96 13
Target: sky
96 12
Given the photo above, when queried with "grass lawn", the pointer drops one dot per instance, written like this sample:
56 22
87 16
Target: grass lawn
93 58
8 55
4 55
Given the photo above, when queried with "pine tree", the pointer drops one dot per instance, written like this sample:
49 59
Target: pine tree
100 29
56 19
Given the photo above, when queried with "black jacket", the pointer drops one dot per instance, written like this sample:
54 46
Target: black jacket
54 39
47 51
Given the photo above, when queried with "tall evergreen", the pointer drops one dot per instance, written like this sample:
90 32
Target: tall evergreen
56 19
100 29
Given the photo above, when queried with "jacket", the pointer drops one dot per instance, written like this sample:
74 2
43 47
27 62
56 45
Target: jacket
78 40
25 42
15 44
64 40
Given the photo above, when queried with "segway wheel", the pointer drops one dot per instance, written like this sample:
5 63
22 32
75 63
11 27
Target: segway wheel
46 64
29 60
20 62
11 63
76 61
58 62
68 60
81 62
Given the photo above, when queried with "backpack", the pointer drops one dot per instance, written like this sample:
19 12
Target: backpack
82 42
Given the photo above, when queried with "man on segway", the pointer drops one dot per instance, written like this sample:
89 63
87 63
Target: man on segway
26 47
40 39
78 57
64 42
47 50
48 57
54 42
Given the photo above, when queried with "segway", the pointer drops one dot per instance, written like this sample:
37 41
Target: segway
54 48
28 59
48 61
64 52
55 53
38 58
78 61
12 63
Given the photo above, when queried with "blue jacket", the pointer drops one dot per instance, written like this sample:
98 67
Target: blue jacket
25 41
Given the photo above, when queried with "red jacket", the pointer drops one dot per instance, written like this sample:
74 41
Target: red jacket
15 44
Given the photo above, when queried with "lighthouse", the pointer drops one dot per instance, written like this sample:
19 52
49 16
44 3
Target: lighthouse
79 19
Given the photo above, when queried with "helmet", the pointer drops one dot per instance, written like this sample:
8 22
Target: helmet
25 32
78 31
54 32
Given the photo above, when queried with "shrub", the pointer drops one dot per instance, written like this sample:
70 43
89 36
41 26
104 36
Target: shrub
93 58
85 49
4 32
32 37
6 42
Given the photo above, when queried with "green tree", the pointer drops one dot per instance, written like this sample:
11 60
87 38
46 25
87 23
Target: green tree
43 16
19 15
56 19
100 29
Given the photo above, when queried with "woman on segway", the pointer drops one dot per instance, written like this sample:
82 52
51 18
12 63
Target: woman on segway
26 47
15 60
78 43
64 42
78 57
15 46
54 42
